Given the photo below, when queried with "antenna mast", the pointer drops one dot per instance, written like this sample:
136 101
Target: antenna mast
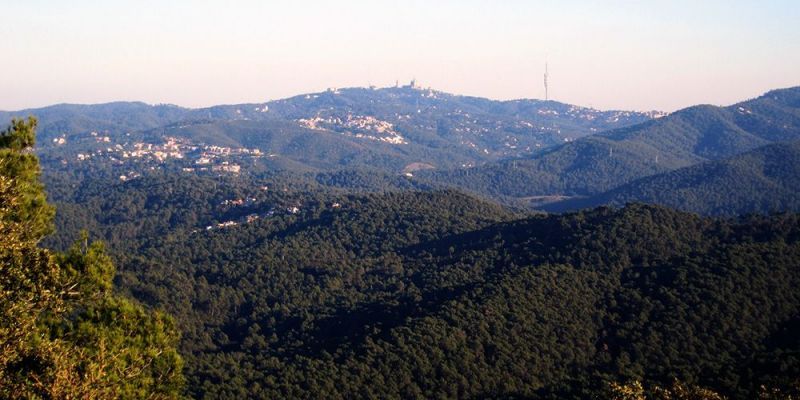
545 81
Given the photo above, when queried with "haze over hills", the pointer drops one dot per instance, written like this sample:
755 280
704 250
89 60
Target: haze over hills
604 161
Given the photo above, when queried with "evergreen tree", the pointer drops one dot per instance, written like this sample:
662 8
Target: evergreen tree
63 333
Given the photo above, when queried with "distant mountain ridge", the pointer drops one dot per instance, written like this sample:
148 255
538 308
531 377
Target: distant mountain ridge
386 128
601 162
522 152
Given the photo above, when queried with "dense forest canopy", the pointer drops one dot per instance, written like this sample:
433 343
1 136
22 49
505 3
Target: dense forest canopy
440 294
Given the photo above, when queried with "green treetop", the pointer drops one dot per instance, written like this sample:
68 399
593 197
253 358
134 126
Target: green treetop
63 333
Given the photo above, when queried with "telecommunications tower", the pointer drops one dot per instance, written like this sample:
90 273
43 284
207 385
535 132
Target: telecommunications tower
545 81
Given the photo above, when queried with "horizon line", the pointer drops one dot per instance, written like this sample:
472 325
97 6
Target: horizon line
373 87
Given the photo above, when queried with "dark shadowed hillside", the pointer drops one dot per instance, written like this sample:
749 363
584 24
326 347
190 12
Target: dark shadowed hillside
441 295
764 180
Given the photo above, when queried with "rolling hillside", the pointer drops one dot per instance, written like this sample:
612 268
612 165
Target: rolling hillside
420 295
389 129
764 180
602 162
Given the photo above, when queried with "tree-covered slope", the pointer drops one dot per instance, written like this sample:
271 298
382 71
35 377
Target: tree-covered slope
764 180
420 295
602 162
546 305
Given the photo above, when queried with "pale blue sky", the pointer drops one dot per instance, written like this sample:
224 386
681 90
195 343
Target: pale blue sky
607 54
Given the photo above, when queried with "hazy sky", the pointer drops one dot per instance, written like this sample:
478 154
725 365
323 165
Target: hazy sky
608 54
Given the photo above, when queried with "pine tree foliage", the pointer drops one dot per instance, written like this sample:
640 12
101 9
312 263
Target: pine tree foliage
63 332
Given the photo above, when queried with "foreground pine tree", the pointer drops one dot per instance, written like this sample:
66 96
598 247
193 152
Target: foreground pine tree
63 332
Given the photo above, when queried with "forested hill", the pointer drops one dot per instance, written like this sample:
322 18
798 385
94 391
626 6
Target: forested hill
74 119
538 307
420 295
602 162
764 180
418 107
396 129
